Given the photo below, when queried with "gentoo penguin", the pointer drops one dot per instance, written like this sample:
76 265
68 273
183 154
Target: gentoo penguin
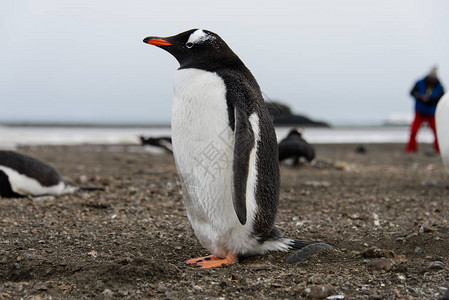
163 142
294 146
225 150
361 149
21 175
442 126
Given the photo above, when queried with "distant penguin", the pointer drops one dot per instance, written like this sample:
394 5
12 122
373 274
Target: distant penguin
294 147
442 127
361 149
21 175
225 150
163 142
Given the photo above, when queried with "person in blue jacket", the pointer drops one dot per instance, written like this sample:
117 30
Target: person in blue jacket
427 92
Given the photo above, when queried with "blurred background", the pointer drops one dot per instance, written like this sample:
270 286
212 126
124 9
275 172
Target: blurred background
346 63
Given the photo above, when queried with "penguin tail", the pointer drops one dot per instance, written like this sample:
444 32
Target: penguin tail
298 244
71 188
91 188
277 241
282 244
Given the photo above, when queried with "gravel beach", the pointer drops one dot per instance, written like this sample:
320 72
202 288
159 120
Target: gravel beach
384 212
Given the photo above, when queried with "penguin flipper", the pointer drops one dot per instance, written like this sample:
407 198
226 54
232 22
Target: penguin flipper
6 190
243 144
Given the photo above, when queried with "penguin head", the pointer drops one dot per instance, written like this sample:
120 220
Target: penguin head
196 48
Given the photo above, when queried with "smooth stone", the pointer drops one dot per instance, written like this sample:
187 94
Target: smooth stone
381 264
436 265
318 291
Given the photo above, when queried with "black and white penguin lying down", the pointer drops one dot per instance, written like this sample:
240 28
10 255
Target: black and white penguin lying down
162 142
225 150
295 147
21 175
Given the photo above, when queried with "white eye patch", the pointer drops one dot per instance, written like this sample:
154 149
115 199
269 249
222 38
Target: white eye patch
199 36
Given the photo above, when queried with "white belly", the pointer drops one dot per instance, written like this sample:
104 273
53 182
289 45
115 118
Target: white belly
203 146
24 185
442 125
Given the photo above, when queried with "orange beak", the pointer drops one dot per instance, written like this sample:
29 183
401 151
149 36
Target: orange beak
157 42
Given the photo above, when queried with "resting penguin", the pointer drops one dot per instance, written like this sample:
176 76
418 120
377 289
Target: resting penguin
163 142
21 175
294 146
442 126
225 150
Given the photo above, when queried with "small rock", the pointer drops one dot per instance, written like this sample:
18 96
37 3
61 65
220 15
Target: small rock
16 266
418 250
315 183
341 166
4 296
93 253
381 264
377 253
436 265
357 216
304 253
427 228
446 295
315 279
318 291
42 288
336 297
430 183
107 292
398 296
67 287
161 287
81 179
376 219
401 277
106 180
400 268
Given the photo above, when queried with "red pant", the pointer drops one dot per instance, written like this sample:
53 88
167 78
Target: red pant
417 122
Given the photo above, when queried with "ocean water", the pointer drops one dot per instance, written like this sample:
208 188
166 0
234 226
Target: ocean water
12 136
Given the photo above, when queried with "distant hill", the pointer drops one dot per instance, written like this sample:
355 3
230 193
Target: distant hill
283 116
398 119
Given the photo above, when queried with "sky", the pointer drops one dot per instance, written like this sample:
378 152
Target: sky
343 62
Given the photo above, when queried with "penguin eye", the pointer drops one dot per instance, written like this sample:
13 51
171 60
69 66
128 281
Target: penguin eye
189 45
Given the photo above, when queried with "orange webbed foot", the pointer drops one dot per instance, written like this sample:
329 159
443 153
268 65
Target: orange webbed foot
212 261
200 259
